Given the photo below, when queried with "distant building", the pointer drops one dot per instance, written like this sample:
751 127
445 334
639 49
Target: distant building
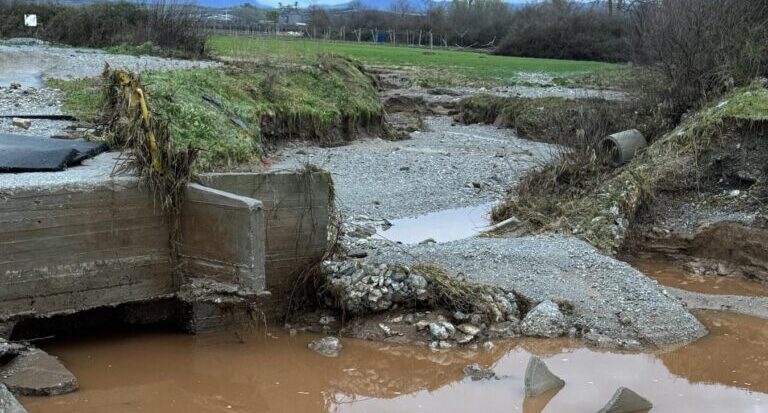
291 15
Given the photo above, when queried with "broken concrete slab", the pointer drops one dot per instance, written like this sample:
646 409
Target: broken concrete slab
626 401
538 378
36 373
8 403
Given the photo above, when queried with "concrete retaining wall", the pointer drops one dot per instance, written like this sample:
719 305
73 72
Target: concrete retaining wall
297 209
222 238
70 248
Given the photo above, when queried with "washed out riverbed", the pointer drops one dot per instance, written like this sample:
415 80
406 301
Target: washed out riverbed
164 372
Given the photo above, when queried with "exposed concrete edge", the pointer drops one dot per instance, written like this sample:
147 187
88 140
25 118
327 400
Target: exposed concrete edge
86 184
19 317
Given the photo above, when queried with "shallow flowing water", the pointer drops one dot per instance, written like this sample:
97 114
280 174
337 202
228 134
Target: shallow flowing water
441 226
672 274
163 372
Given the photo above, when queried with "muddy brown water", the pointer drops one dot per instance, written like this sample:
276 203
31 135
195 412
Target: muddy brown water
163 372
672 274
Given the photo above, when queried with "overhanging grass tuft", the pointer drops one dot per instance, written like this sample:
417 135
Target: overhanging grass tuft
231 113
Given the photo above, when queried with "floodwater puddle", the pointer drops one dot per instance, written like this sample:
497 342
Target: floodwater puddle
441 226
26 77
163 372
672 274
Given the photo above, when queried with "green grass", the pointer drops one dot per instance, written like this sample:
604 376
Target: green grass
440 66
321 101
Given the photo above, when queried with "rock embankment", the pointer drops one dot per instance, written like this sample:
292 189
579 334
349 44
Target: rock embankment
477 312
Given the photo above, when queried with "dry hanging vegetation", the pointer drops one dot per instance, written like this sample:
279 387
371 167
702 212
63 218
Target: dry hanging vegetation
146 142
694 52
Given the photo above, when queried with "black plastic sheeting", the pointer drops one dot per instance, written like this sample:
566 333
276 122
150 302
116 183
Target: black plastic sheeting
19 153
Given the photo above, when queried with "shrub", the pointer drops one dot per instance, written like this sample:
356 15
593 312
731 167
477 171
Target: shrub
700 48
566 30
175 28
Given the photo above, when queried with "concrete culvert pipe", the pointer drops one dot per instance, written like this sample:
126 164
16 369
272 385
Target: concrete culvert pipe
621 147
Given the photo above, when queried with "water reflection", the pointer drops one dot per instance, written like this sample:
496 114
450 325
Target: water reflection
441 226
176 373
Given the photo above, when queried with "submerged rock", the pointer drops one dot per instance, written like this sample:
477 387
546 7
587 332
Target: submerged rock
328 346
544 320
477 372
538 378
626 401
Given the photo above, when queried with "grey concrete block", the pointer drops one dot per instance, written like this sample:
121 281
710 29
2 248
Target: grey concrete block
222 237
8 403
538 378
626 401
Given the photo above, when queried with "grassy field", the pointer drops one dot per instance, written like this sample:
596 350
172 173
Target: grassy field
440 66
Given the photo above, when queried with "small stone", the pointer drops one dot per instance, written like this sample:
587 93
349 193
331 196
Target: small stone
327 346
326 320
422 324
444 345
405 168
488 345
409 318
15 85
538 378
357 254
387 331
504 330
626 401
462 338
442 330
428 241
460 316
477 372
470 329
21 123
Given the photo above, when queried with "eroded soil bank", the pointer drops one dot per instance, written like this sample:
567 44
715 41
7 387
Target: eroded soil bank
274 372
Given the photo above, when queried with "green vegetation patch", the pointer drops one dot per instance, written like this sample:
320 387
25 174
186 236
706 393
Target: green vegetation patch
549 119
439 64
230 112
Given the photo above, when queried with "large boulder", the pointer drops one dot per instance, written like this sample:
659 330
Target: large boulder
544 320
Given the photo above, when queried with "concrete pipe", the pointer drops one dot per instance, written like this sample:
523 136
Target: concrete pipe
621 147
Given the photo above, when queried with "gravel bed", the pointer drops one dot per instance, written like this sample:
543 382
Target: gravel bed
613 301
435 170
73 63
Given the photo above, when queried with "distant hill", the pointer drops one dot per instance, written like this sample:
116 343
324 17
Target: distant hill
370 4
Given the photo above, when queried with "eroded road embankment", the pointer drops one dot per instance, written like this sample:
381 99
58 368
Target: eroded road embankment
452 166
